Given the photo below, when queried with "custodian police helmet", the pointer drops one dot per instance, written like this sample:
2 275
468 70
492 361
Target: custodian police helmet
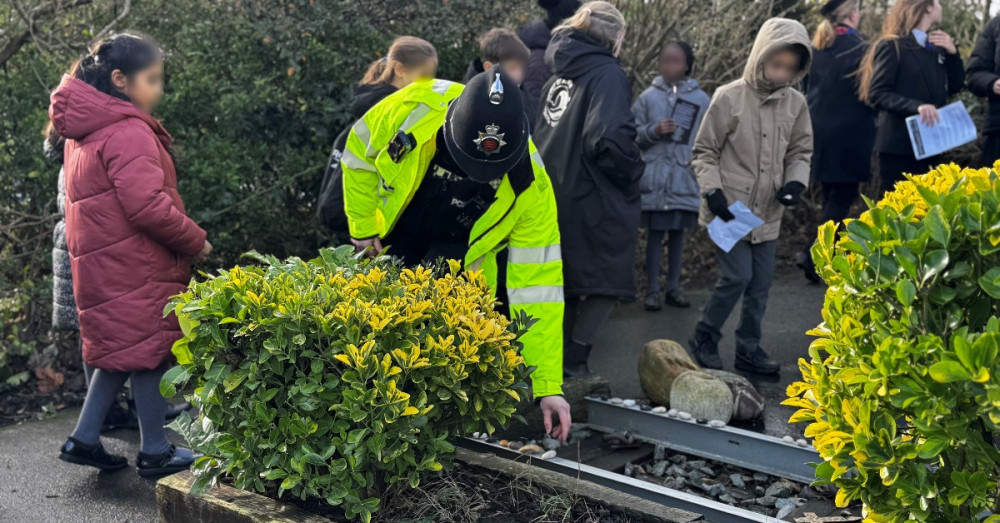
486 129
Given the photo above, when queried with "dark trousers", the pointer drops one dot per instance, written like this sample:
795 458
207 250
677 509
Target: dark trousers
894 168
838 198
990 151
747 271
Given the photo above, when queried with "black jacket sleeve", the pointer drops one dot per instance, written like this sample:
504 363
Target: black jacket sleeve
609 129
981 73
956 73
882 94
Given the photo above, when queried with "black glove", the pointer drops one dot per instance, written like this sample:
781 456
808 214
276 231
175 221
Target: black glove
718 204
791 194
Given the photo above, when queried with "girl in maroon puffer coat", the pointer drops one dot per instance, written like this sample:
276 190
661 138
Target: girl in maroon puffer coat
130 242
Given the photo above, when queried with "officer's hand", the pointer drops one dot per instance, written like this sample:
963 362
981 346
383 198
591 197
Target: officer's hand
370 246
719 206
791 194
558 406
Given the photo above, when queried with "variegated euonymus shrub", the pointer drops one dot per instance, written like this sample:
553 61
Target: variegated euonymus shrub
902 386
339 378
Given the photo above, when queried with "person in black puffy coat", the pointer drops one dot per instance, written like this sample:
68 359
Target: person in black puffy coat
586 137
983 78
536 36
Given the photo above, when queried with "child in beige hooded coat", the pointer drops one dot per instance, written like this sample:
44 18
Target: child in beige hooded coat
754 146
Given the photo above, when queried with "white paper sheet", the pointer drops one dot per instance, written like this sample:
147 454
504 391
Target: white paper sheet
726 234
954 129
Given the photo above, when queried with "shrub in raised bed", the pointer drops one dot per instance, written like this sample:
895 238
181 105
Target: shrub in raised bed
339 378
902 387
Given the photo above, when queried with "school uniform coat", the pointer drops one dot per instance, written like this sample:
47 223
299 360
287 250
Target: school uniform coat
906 76
843 125
129 240
536 36
586 136
668 181
984 71
757 137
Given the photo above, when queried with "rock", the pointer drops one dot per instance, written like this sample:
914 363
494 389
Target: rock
629 469
531 449
617 401
782 503
504 443
696 475
549 454
779 489
741 494
707 471
759 490
702 396
679 459
675 483
550 443
802 442
672 413
659 410
660 469
684 415
475 435
784 512
715 490
760 477
748 403
662 362
645 407
628 403
717 423
788 439
659 453
696 463
737 481
766 501
515 445
809 493
727 499
677 471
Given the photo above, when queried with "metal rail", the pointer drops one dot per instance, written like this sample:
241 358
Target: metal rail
708 509
739 447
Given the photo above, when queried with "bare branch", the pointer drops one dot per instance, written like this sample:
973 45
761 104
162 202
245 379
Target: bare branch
121 16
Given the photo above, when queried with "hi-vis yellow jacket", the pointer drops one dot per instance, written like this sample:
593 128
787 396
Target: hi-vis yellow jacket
522 218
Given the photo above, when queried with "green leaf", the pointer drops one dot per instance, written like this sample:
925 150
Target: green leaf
314 459
938 226
948 372
906 292
234 379
176 376
290 482
990 282
932 446
275 474
934 263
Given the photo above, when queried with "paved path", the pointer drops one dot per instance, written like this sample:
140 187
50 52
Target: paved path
37 487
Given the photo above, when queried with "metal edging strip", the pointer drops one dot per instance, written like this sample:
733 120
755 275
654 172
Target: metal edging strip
750 450
710 510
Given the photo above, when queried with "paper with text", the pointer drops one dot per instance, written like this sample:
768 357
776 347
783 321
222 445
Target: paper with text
726 234
954 129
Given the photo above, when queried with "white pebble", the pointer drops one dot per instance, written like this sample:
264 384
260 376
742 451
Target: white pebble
548 455
684 415
616 401
672 413
716 423
476 435
802 443
628 403
659 410
788 439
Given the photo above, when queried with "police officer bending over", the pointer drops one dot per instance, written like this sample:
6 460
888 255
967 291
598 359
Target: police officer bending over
441 170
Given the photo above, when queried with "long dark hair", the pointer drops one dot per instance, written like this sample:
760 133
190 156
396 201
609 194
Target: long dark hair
127 52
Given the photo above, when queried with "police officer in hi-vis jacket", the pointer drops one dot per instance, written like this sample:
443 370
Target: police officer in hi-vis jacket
441 170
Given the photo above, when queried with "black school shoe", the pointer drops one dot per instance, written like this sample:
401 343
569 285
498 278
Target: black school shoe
757 362
808 268
675 298
652 302
705 352
162 464
73 451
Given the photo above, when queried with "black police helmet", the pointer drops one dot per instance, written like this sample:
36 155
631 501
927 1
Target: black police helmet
486 130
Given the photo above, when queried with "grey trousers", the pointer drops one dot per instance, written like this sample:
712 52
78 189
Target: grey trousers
747 271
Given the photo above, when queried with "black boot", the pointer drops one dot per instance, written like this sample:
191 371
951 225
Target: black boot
91 455
705 351
675 298
175 409
121 418
652 302
575 357
808 268
162 464
756 361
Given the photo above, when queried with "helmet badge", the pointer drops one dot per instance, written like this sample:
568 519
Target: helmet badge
491 141
496 91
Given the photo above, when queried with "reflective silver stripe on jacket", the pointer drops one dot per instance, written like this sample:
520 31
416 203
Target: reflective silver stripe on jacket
537 158
352 161
365 135
441 86
418 113
539 294
548 253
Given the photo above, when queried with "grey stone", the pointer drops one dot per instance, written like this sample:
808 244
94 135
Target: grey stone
737 481
727 499
660 363
748 403
696 475
676 471
686 416
679 459
759 490
696 463
761 477
660 468
716 423
629 469
659 453
741 494
702 395
549 454
782 503
659 410
617 401
788 439
550 443
628 403
715 490
672 413
784 512
779 489
766 501
707 471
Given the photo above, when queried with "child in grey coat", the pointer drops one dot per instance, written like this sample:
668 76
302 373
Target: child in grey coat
667 117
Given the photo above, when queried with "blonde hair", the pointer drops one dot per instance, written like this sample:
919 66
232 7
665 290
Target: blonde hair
409 51
903 17
602 21
826 33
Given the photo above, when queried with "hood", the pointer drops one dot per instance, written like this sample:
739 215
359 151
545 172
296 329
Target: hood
535 35
572 53
475 67
774 34
366 96
78 110
686 86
